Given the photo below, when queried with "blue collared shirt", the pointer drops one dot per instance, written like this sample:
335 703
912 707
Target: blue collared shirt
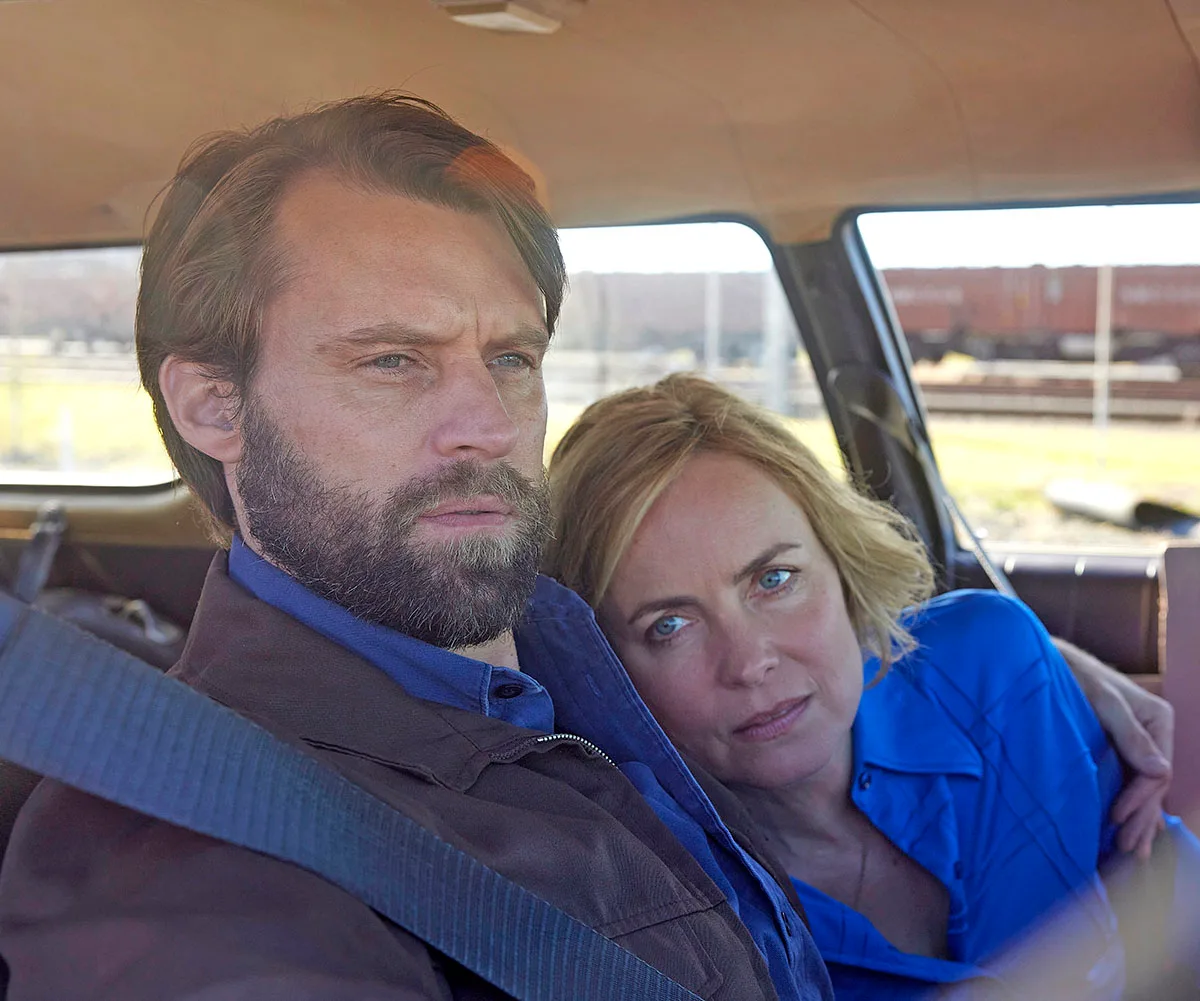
979 758
571 681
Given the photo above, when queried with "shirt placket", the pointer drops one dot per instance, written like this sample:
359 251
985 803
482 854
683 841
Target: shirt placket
916 813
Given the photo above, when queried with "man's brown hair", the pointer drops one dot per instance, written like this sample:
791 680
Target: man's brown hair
209 266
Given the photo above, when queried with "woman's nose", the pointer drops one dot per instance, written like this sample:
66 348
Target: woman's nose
750 656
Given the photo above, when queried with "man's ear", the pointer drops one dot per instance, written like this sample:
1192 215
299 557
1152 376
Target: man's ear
201 408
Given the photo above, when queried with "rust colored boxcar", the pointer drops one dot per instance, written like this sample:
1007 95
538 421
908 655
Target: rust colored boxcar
1041 312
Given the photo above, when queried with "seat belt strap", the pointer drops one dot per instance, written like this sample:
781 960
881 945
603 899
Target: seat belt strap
95 718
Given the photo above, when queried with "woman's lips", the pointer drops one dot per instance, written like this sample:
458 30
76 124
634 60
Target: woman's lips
774 722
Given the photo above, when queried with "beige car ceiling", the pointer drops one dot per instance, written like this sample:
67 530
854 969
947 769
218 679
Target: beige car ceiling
785 110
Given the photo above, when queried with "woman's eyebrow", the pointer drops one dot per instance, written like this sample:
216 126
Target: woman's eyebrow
761 560
764 558
657 604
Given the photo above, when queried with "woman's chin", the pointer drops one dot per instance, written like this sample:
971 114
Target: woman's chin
788 765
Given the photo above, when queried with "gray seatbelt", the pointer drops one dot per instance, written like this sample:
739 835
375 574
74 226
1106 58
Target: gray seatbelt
80 711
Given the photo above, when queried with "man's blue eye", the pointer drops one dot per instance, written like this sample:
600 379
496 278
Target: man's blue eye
389 361
513 360
667 626
772 580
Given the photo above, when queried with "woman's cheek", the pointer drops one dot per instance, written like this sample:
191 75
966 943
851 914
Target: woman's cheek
670 694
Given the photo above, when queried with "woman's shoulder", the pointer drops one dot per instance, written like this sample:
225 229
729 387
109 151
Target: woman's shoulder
985 671
972 616
981 648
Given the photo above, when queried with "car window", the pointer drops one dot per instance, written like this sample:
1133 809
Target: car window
71 410
1058 355
645 301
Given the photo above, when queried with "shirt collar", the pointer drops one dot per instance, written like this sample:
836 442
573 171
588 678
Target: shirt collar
561 645
901 728
423 670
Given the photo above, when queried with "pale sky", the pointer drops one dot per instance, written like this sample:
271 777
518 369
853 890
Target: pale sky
708 246
1122 234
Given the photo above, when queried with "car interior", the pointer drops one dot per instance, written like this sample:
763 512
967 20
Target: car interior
793 119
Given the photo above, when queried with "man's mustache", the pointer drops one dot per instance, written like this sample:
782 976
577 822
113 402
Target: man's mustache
464 479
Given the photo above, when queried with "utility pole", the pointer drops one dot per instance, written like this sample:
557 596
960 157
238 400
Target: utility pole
778 345
15 323
712 324
1103 359
603 333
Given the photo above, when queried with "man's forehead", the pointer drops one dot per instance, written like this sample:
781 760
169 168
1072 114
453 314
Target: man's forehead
321 204
324 221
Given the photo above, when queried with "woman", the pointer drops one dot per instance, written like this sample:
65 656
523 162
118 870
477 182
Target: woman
932 779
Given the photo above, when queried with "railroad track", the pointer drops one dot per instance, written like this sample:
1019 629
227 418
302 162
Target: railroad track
1177 400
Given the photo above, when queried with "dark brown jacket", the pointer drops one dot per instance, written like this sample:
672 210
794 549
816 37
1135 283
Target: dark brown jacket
99 903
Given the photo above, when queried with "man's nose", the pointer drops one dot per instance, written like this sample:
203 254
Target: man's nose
471 418
749 656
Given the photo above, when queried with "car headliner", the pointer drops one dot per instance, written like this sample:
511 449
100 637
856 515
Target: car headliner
786 111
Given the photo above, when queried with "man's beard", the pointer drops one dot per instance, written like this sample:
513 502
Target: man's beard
360 552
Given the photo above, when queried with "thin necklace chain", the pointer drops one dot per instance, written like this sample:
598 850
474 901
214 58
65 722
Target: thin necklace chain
862 876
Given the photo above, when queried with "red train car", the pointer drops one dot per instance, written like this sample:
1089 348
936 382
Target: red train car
1042 312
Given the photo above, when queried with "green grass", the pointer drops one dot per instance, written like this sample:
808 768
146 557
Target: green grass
997 469
1009 460
103 427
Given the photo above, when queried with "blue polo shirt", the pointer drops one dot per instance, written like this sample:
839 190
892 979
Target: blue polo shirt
571 681
979 758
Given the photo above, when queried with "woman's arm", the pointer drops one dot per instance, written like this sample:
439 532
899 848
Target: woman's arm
1142 729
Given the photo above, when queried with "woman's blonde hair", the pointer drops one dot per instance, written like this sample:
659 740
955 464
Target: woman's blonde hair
624 450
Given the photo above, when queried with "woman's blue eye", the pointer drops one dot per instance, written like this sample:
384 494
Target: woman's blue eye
667 626
772 580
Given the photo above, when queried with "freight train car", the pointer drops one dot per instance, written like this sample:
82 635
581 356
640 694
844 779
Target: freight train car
1041 312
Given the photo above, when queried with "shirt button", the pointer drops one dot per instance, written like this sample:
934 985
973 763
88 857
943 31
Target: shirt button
864 780
508 691
958 869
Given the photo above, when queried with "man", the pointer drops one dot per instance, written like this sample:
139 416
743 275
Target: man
341 322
